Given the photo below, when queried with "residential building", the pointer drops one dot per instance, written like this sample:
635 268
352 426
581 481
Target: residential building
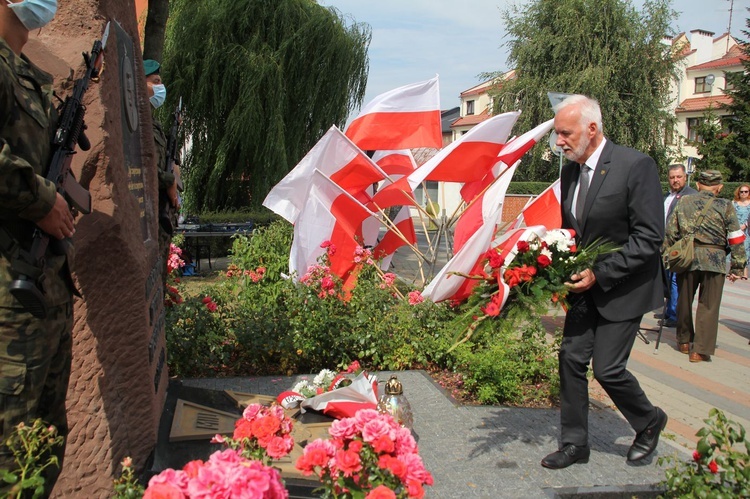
699 88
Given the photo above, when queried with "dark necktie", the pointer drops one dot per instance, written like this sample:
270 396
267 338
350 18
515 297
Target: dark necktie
583 188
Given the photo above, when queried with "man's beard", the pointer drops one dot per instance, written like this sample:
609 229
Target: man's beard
577 153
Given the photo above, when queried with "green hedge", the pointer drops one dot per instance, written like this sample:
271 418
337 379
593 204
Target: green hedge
536 188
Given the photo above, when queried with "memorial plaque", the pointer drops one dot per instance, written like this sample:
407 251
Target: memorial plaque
129 116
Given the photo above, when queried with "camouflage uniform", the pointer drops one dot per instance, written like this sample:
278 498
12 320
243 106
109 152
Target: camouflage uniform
167 217
35 354
708 268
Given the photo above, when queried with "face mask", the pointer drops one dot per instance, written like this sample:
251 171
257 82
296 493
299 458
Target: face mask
34 13
160 95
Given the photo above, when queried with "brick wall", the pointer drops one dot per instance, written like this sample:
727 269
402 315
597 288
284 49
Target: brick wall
514 203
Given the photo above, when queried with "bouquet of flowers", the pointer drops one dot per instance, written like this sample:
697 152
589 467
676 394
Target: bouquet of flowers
526 278
369 455
226 474
326 380
262 433
337 395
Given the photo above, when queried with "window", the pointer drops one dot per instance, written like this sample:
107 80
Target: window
469 107
692 125
702 86
728 77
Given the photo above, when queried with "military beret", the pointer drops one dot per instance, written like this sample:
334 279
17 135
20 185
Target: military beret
709 177
151 67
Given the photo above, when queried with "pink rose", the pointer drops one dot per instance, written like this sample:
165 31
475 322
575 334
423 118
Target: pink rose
372 430
344 429
279 447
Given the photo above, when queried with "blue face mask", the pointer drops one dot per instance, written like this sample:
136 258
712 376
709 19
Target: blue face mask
160 95
34 13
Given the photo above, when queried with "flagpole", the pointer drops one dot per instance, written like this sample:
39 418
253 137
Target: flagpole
478 196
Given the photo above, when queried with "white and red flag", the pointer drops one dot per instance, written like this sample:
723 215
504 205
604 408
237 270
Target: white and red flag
330 214
400 234
403 118
467 159
470 261
544 209
735 237
336 157
400 162
508 157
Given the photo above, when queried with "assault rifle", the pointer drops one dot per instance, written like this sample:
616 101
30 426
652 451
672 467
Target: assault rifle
166 215
70 132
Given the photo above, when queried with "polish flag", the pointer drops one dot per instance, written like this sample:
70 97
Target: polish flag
337 158
508 159
735 237
467 159
471 260
544 209
393 239
481 210
403 118
399 162
330 214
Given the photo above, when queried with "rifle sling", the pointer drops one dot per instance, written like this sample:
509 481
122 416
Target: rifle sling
20 259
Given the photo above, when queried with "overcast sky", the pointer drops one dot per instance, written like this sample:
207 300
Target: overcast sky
412 40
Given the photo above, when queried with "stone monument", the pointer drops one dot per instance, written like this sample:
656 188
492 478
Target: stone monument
119 377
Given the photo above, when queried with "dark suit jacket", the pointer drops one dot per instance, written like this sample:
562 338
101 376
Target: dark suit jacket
685 191
624 205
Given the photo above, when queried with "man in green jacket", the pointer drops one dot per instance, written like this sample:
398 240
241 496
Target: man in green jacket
35 353
169 202
714 222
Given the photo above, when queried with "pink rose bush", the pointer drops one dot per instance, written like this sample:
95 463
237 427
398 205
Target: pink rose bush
263 433
368 455
226 474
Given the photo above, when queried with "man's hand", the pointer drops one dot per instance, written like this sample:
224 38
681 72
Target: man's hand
172 195
58 223
733 277
582 281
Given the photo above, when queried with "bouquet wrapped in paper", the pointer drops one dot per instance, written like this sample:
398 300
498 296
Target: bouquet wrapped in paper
336 395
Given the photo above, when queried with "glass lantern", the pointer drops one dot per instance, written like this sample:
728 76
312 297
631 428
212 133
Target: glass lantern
394 403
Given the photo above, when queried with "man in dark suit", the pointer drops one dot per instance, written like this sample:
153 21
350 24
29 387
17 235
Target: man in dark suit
677 188
609 193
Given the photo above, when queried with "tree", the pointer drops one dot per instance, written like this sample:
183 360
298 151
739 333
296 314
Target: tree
262 81
155 29
712 142
602 48
737 152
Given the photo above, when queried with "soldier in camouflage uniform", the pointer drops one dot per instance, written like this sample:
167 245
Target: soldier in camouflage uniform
35 353
715 231
167 180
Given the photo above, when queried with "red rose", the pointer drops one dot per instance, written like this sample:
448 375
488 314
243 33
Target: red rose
381 492
512 277
242 429
415 489
212 306
494 258
713 467
522 246
492 309
696 456
383 445
163 491
543 261
266 426
348 462
207 299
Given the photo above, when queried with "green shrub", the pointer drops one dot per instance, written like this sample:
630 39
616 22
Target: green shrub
266 324
721 463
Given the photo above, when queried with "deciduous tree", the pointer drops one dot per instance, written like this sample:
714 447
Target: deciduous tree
262 80
606 49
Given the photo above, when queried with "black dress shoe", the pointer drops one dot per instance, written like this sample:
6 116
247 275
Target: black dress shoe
646 441
569 454
668 323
